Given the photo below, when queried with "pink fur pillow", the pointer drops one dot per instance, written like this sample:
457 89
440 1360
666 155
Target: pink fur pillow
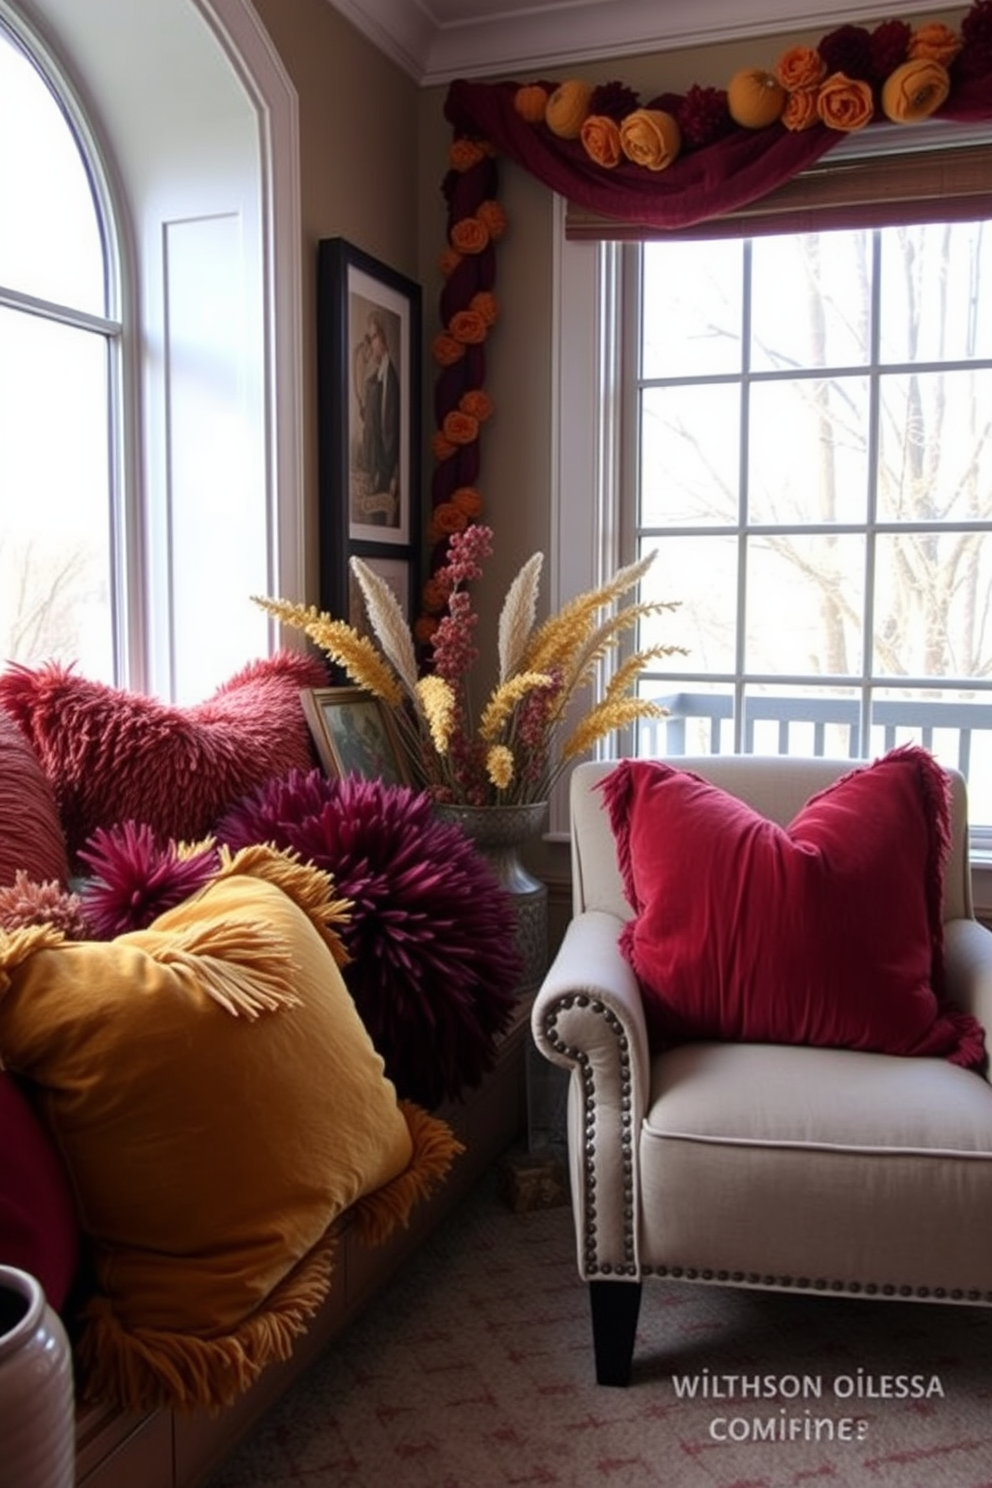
31 839
113 756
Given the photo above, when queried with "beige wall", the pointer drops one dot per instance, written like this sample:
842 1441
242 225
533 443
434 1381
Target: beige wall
358 167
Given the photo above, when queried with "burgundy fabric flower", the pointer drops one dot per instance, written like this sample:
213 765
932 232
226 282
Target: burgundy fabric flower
135 878
848 50
703 116
613 100
975 57
888 48
431 935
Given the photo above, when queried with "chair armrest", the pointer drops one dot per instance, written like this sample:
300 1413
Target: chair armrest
588 1017
968 969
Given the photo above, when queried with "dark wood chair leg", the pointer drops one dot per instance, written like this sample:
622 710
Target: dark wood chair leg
615 1308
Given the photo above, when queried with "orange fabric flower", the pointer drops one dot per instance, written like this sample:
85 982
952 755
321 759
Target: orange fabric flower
423 629
845 103
460 428
446 519
935 43
464 153
800 110
650 137
493 218
600 138
567 108
448 262
441 448
915 91
799 68
434 595
477 403
446 350
468 326
469 235
484 303
467 500
530 101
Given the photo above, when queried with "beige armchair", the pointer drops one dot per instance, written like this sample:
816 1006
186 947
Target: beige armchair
760 1165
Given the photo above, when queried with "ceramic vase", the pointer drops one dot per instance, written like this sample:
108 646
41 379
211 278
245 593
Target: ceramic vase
499 833
37 1410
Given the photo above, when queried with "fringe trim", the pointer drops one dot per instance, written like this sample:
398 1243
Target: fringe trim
17 945
435 1147
241 967
141 1369
308 886
970 1050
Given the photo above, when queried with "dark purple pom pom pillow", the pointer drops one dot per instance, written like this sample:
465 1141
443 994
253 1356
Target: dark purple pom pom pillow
433 962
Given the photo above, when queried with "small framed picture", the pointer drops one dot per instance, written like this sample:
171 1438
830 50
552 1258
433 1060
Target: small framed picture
354 734
368 388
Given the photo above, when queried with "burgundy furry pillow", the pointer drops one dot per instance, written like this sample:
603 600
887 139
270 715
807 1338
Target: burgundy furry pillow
30 832
113 756
434 964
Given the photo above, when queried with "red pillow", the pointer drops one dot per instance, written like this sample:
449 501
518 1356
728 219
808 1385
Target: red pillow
114 756
39 1226
825 932
30 832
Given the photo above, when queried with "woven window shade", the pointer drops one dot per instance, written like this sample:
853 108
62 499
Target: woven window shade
950 184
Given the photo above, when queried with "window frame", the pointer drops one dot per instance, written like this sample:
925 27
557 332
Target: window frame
595 532
94 82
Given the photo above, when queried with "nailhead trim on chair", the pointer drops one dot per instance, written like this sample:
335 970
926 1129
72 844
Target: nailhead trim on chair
822 1284
581 1059
684 1273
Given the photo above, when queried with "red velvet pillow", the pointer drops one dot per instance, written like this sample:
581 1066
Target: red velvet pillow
114 756
30 832
825 932
39 1226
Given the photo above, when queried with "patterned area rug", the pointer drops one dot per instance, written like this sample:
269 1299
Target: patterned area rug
474 1371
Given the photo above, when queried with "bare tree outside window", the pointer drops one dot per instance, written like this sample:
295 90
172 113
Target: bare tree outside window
815 463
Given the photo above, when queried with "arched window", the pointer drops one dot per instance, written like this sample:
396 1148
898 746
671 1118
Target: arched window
59 358
150 460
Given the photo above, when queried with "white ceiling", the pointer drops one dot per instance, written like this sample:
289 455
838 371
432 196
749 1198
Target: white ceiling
437 40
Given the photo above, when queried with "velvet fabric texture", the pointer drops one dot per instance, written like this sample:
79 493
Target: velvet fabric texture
218 1104
31 838
431 936
826 932
39 1229
111 755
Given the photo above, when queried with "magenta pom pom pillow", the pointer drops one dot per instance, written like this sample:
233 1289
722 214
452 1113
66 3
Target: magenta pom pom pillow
113 756
825 932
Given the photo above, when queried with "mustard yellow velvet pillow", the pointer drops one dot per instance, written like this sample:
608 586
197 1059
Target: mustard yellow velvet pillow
218 1102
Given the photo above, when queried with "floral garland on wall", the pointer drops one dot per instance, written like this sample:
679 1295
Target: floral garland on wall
673 161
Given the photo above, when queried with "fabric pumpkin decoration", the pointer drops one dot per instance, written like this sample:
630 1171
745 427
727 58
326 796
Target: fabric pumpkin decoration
431 935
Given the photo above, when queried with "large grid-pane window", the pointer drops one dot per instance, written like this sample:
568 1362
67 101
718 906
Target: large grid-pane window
812 456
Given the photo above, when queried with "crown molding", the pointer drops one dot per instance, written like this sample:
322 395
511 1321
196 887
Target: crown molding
435 41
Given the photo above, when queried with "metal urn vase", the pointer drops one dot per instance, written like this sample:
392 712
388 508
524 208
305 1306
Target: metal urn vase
37 1410
499 833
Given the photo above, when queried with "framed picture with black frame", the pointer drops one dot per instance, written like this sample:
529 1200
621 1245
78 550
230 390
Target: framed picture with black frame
368 389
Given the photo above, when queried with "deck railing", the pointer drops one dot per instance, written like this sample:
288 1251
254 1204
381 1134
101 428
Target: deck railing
893 721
